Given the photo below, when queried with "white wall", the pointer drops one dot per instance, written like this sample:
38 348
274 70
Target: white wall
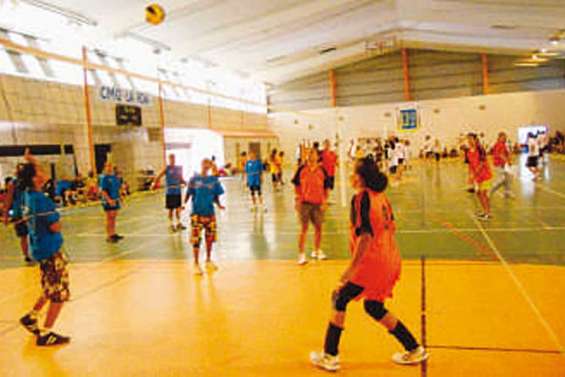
444 119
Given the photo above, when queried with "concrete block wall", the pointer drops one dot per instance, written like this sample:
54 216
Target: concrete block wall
41 112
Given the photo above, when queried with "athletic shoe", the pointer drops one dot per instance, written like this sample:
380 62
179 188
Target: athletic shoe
30 324
322 255
211 266
411 357
314 254
111 239
198 270
28 260
484 217
52 339
471 190
302 259
118 237
324 361
181 226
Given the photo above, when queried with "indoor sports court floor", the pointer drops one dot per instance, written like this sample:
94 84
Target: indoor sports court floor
493 292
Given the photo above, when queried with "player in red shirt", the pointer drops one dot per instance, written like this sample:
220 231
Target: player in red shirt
481 173
329 163
373 271
502 161
310 182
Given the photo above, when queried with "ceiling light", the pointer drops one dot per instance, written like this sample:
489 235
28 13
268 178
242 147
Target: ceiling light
546 53
503 27
71 15
525 64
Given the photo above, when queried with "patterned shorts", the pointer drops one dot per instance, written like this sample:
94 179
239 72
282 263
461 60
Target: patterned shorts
207 223
55 277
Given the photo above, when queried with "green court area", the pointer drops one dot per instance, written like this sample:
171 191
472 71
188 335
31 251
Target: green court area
435 218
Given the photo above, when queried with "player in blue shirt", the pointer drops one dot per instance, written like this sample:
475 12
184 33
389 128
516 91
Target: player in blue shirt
173 191
110 191
205 191
254 172
46 246
14 203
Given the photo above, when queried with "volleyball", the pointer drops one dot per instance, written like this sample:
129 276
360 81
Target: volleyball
154 14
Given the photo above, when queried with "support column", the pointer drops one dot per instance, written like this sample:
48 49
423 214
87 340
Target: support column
162 122
406 75
209 114
333 88
486 79
88 111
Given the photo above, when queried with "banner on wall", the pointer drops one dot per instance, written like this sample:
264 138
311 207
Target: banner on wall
408 119
123 96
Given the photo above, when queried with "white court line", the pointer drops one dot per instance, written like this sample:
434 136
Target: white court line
520 287
413 231
551 191
86 273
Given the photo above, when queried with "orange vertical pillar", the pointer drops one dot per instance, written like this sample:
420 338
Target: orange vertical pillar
486 82
406 75
333 88
88 111
162 122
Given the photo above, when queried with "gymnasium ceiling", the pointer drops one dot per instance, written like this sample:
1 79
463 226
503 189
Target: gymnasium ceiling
278 40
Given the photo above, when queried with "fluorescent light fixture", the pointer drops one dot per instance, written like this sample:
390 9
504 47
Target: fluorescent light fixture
544 53
156 45
71 15
526 64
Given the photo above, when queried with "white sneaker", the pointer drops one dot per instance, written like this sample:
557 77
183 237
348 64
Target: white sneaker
410 358
314 254
211 266
302 259
322 255
324 361
198 270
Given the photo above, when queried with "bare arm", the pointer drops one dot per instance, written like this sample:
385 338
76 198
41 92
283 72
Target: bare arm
157 179
55 227
8 203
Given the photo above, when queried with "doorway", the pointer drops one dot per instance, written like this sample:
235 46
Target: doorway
101 152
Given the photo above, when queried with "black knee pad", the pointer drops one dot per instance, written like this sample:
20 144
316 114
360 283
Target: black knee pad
375 309
340 301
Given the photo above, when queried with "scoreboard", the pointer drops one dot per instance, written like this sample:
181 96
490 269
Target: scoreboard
128 115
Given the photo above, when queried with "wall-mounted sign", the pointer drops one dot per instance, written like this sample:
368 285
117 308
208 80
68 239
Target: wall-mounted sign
127 115
125 96
408 119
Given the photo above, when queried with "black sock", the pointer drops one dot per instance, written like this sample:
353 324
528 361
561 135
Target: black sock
331 345
403 335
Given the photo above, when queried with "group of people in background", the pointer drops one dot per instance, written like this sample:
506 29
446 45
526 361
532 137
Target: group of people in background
392 154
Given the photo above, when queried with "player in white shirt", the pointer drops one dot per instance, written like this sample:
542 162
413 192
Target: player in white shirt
533 156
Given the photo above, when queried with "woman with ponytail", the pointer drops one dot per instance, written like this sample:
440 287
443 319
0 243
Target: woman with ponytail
373 270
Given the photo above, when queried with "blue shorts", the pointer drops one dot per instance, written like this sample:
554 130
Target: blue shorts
108 207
